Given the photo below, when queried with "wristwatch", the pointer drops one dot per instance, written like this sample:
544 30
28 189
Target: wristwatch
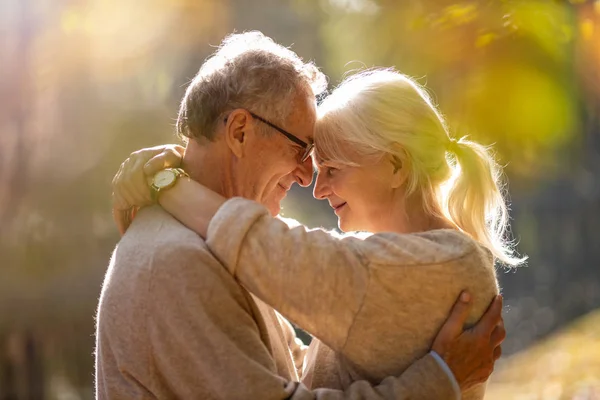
164 180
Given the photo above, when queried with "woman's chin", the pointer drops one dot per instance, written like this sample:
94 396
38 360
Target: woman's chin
343 225
346 225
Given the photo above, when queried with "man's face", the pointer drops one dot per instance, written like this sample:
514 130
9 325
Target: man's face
272 163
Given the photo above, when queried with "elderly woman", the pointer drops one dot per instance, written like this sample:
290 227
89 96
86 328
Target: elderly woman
432 206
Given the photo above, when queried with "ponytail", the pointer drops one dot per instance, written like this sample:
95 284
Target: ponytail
384 112
473 199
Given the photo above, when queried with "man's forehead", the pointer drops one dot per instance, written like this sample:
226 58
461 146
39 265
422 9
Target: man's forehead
302 121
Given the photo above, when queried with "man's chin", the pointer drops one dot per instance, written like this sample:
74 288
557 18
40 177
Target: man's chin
274 209
274 202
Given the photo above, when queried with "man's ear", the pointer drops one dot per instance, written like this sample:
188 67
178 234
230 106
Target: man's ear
401 166
236 130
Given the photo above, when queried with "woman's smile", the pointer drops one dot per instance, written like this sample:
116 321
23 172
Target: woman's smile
339 207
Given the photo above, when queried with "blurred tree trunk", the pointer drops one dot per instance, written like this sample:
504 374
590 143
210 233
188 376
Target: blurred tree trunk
7 373
21 366
15 116
33 371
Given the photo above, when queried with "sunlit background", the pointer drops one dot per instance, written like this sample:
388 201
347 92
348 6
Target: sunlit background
83 83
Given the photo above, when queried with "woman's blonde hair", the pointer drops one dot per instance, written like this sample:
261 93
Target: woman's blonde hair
382 111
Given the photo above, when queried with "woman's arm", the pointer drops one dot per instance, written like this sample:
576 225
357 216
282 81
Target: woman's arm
314 279
324 296
192 204
317 281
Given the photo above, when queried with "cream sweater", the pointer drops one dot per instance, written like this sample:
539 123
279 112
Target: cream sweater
375 304
173 323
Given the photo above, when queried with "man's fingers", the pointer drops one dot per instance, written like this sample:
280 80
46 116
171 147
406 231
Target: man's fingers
498 334
169 158
492 317
455 323
497 353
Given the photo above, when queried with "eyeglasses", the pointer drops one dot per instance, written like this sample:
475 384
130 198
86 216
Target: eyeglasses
308 147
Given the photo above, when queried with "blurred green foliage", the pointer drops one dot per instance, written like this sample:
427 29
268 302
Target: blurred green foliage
502 71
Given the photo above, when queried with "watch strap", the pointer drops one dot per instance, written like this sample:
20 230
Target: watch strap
155 190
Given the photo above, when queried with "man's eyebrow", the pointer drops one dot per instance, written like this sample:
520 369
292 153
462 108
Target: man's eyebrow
298 145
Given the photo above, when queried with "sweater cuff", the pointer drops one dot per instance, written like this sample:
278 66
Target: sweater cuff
448 372
229 227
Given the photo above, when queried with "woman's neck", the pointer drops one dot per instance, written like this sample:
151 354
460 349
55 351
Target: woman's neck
408 215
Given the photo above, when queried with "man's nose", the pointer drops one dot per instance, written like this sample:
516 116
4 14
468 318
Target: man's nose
304 173
321 190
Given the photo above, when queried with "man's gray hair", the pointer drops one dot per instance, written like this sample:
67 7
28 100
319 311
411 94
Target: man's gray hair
249 70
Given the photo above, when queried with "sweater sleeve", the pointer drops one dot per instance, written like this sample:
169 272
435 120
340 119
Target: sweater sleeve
204 344
317 281
423 380
297 348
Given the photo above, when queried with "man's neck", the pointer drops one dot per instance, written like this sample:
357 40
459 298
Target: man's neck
204 163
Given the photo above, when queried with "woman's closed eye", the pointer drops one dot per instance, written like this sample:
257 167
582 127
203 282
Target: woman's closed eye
330 171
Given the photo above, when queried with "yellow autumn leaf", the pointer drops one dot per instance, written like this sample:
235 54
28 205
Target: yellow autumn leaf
586 28
461 13
485 39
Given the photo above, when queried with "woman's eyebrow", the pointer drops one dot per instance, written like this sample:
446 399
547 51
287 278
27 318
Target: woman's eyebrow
328 163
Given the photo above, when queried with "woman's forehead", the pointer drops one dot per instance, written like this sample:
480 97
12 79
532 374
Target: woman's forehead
318 159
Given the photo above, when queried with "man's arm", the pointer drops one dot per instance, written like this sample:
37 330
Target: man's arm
428 370
204 341
471 353
203 338
297 348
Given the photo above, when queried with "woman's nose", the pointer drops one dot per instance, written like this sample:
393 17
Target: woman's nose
321 190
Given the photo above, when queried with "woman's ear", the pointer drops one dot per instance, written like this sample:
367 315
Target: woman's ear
400 172
236 127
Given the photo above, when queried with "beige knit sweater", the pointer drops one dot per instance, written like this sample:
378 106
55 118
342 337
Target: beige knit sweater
376 304
173 323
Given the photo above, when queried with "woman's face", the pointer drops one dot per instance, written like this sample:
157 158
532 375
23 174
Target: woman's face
361 197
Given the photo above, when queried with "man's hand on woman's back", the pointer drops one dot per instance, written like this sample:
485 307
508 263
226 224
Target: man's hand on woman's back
471 353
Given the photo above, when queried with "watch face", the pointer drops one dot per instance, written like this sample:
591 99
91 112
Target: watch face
164 178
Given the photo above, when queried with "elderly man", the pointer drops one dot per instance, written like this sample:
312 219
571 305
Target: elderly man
173 323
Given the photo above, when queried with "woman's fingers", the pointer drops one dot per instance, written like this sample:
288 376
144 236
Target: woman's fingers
124 189
121 211
170 157
130 184
138 183
121 219
118 202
